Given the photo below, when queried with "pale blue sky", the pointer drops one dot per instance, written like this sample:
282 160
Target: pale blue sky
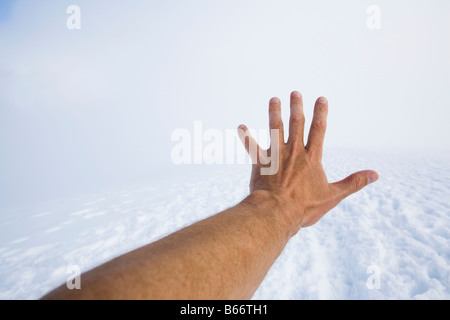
5 9
94 106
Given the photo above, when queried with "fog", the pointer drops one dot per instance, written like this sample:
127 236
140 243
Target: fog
86 109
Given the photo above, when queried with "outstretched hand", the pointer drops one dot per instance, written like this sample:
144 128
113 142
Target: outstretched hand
300 184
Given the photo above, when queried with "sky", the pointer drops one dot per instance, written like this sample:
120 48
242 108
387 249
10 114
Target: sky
83 109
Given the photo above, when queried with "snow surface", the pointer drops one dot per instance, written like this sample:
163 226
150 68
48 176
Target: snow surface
400 226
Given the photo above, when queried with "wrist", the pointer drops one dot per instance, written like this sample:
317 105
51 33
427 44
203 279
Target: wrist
284 216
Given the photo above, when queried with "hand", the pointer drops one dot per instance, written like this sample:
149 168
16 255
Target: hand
300 186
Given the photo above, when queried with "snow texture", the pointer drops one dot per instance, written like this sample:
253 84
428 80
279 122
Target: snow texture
397 230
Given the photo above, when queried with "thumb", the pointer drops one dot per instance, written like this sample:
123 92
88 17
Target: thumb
354 183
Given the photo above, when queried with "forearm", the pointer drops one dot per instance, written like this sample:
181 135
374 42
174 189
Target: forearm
223 257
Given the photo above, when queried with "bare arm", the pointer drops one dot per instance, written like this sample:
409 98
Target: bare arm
228 255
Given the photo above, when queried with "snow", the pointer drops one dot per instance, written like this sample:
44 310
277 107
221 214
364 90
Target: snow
398 227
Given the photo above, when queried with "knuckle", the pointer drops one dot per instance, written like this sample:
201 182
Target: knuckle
358 184
298 118
320 125
276 123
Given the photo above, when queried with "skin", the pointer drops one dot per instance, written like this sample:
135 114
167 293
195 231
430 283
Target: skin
228 255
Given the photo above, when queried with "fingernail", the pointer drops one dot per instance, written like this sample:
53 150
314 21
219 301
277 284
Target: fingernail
372 177
274 101
296 94
323 100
